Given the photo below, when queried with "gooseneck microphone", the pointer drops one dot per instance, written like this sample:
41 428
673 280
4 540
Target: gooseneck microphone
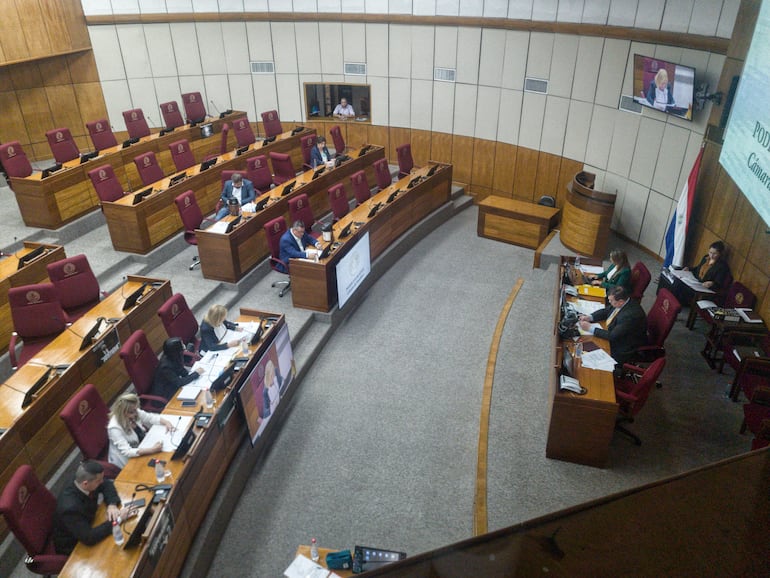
211 102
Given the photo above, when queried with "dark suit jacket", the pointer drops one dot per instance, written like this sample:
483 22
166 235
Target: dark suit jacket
248 194
209 341
169 377
75 512
290 250
717 273
626 333
651 94
315 156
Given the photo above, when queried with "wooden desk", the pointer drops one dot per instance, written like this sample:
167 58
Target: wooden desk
515 222
68 193
12 276
228 257
142 227
581 426
586 218
314 284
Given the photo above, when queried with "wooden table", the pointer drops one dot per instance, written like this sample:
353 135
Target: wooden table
139 228
12 276
314 284
68 193
515 222
229 256
581 426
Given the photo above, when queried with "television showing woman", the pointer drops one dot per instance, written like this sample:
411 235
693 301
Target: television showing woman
659 94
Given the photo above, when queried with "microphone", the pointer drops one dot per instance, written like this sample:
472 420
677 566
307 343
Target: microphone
175 428
215 106
147 116
130 505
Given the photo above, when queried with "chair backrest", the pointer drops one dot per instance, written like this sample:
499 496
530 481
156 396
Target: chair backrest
274 230
101 134
661 317
140 361
62 145
244 136
640 278
14 160
148 167
107 185
136 124
299 210
223 141
172 118
283 169
640 390
738 295
178 318
271 123
360 187
382 173
28 507
258 172
307 143
338 200
74 281
228 175
547 201
189 211
86 417
339 142
181 154
193 106
404 155
36 310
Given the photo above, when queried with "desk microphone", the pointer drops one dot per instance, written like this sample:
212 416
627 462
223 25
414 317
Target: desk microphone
147 116
215 106
175 428
131 504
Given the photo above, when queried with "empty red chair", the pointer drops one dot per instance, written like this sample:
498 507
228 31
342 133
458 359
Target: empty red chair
283 169
192 218
272 123
193 107
76 284
222 143
360 187
306 144
62 145
179 321
640 278
181 154
274 230
28 508
148 167
244 136
86 417
382 174
632 391
339 142
38 318
14 160
405 162
172 118
101 134
136 125
141 362
338 201
258 172
738 295
107 185
300 210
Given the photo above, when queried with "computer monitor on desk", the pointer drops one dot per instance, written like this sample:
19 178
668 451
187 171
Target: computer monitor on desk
31 256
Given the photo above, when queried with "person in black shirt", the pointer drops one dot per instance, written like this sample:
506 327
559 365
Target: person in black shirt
171 374
213 329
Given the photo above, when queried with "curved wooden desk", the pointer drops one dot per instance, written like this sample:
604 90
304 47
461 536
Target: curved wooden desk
586 219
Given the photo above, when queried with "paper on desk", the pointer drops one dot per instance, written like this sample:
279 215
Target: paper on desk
742 311
585 307
249 208
188 392
591 326
705 304
591 269
689 279
597 359
218 227
303 567
249 327
158 433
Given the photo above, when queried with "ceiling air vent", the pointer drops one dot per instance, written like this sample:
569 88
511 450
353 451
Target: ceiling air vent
355 68
444 74
536 85
262 67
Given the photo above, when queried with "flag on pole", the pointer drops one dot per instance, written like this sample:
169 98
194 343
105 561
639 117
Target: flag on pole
677 229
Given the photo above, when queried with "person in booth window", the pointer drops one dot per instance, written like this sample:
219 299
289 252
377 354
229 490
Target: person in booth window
127 427
238 188
214 327
343 110
171 374
297 244
319 154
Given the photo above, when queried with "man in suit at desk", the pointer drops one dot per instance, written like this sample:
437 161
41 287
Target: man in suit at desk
626 325
238 188
319 154
297 244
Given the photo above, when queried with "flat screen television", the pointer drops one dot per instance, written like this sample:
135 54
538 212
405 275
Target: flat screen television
664 86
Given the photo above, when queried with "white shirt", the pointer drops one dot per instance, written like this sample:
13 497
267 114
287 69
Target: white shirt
123 444
346 110
238 193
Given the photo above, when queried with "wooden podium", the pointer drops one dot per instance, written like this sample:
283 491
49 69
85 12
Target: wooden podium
586 217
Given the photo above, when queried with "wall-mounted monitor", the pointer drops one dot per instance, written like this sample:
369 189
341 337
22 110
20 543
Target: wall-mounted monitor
664 85
321 100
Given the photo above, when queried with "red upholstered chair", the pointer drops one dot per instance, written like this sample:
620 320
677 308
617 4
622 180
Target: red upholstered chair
753 374
62 145
338 201
640 278
181 154
258 172
222 143
339 142
28 508
632 392
405 162
718 298
283 169
244 136
660 319
179 321
382 174
360 187
300 210
272 123
739 345
107 185
38 318
86 417
193 107
136 124
172 118
101 134
757 410
274 230
148 167
76 284
140 361
738 295
192 218
227 175
306 144
14 160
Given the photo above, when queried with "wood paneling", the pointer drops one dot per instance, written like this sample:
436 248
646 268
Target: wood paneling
57 23
64 106
526 174
421 147
26 75
379 135
462 158
722 205
441 147
505 169
482 175
548 171
741 234
398 136
567 172
82 67
12 121
12 34
34 28
52 73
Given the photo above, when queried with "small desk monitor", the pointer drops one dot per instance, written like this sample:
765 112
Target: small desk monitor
346 231
134 297
52 169
206 165
373 211
128 142
413 182
185 444
232 224
241 150
32 392
89 337
318 173
261 204
141 525
364 150
176 178
297 130
393 196
326 250
140 196
432 171
288 188
268 140
84 158
224 379
366 558
31 256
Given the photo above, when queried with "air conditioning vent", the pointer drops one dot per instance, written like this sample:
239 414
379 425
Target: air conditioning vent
628 104
262 67
355 68
536 85
444 74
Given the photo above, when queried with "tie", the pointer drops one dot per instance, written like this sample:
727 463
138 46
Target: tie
139 433
612 316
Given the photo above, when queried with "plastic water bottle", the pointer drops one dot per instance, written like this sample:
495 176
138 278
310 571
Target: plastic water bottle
314 550
160 471
244 346
117 533
209 399
577 262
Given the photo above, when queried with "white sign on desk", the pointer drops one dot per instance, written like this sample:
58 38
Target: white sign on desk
352 269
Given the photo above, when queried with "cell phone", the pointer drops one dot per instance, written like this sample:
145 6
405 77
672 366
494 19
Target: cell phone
189 403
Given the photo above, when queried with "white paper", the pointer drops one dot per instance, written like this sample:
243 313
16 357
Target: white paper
218 227
742 312
597 359
591 269
705 304
689 279
591 326
170 439
585 307
303 567
188 392
249 207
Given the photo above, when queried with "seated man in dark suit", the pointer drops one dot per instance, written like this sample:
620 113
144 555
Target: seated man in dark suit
76 509
296 244
626 325
238 188
319 154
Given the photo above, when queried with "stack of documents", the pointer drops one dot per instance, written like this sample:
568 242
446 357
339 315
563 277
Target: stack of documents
591 269
598 359
170 439
689 279
585 307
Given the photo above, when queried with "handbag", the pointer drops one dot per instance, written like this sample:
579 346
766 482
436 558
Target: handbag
341 560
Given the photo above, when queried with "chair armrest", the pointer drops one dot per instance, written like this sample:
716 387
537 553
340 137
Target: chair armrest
273 261
623 396
45 564
633 368
651 352
153 401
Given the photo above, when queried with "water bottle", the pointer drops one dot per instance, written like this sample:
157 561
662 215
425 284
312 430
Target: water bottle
160 471
117 533
577 262
314 550
209 399
244 346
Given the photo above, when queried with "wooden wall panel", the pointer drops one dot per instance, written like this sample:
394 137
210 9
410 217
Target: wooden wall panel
744 219
462 158
441 147
12 125
357 134
759 252
12 34
25 75
505 169
72 15
722 205
482 175
57 23
32 21
567 172
64 106
90 101
82 67
54 71
421 147
398 136
526 174
37 113
379 135
547 181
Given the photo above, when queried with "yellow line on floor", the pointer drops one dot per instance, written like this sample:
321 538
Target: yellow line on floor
480 518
